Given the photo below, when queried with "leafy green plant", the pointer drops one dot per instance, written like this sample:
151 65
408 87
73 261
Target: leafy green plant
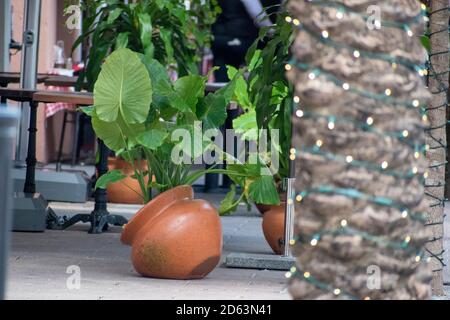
159 29
137 112
265 95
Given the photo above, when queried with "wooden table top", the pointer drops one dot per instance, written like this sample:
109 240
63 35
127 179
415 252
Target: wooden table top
46 96
78 98
60 81
20 95
14 77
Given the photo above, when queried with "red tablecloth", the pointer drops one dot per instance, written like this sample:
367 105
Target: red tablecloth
52 108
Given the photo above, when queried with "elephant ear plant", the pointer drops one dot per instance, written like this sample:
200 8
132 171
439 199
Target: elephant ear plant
144 117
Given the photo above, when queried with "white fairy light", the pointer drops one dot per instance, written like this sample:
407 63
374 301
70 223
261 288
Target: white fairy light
343 223
384 164
369 121
311 75
346 86
331 125
325 34
299 113
356 54
349 158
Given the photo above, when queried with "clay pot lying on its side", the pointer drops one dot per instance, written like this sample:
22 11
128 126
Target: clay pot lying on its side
273 227
118 192
174 236
262 208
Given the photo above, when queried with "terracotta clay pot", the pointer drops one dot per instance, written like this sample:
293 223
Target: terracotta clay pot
262 208
273 227
118 192
174 236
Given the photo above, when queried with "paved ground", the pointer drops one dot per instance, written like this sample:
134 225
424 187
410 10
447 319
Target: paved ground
39 261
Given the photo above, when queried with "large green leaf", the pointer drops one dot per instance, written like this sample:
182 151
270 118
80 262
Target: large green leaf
264 191
109 177
122 40
158 74
145 23
212 110
246 125
152 138
87 110
240 90
124 87
166 38
109 132
190 89
114 15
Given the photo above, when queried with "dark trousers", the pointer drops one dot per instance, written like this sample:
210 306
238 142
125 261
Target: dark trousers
226 54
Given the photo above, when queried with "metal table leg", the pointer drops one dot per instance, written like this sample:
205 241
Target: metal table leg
30 208
30 183
99 218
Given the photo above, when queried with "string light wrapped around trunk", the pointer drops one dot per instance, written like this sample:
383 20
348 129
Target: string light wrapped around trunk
359 124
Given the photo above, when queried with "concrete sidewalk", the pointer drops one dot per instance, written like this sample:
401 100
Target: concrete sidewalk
39 262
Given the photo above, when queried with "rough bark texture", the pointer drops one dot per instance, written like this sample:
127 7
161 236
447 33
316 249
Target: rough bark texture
436 137
359 133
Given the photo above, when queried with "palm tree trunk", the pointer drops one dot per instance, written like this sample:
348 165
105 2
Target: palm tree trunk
360 147
436 137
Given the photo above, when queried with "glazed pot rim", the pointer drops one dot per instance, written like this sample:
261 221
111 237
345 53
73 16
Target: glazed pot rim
159 204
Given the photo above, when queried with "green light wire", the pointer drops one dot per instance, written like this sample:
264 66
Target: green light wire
362 164
356 194
360 124
367 94
386 23
367 54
